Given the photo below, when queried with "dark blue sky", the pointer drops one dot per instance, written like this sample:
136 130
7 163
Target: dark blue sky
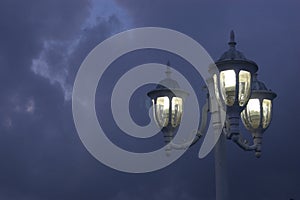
42 44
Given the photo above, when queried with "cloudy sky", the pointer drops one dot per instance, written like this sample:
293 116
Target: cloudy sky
42 45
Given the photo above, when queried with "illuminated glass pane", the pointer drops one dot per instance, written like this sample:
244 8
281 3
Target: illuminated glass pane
162 111
245 120
267 107
244 87
154 112
216 87
253 112
228 85
176 111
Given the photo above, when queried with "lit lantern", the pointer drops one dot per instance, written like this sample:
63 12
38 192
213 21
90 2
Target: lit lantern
167 99
233 83
257 115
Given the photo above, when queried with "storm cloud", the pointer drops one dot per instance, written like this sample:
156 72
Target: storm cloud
43 43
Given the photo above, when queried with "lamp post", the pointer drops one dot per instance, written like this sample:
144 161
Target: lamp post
237 91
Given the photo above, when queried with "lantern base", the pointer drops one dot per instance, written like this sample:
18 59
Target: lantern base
232 125
257 140
168 134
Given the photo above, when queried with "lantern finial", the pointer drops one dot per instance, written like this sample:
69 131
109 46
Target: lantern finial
232 42
168 71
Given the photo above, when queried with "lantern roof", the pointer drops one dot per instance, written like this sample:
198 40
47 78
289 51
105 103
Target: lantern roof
258 85
259 89
168 82
232 53
167 87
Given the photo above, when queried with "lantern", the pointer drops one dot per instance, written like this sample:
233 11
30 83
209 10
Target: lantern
233 83
256 117
167 99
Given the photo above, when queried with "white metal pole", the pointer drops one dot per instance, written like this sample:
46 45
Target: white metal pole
221 169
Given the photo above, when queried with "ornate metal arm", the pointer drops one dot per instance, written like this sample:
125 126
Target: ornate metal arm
244 144
237 138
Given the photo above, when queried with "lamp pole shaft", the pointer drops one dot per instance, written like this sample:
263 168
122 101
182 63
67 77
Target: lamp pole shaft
221 169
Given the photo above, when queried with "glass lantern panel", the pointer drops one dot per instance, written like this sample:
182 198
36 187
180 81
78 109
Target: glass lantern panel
228 85
245 120
216 87
162 111
267 107
253 112
176 111
153 110
244 87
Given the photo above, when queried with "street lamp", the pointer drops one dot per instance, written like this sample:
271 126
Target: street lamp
237 91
